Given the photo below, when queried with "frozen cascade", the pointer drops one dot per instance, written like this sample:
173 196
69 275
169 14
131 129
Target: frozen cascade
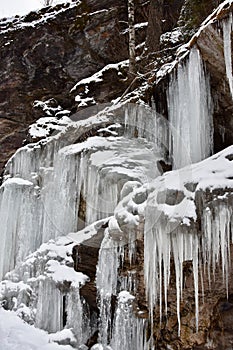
75 170
162 242
190 113
128 331
110 257
49 314
18 211
146 123
77 318
227 31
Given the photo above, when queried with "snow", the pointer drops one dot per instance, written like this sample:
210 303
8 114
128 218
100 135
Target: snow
20 23
125 296
83 102
88 232
56 118
17 335
98 77
213 173
61 273
17 181
137 26
64 334
44 126
45 286
172 37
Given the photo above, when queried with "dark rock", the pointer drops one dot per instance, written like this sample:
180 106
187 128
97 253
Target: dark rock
85 258
170 197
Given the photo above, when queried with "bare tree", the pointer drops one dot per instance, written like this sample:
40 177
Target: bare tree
47 2
132 57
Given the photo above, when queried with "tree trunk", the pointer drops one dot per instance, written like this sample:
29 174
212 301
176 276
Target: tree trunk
132 58
163 16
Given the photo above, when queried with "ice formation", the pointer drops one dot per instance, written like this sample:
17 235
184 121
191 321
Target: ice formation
104 172
90 173
171 233
227 31
16 334
110 256
126 331
190 112
170 204
49 294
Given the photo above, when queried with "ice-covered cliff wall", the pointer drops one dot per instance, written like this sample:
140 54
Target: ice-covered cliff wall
147 249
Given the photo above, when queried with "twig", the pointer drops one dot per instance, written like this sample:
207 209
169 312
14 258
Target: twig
12 120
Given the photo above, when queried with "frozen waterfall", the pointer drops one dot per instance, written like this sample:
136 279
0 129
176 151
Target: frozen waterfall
190 112
89 176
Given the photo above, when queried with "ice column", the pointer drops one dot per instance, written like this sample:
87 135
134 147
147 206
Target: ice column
190 112
75 315
227 31
49 314
128 331
106 282
20 226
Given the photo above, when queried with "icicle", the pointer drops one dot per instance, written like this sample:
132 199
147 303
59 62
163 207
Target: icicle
128 331
129 282
161 242
190 113
195 260
227 31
